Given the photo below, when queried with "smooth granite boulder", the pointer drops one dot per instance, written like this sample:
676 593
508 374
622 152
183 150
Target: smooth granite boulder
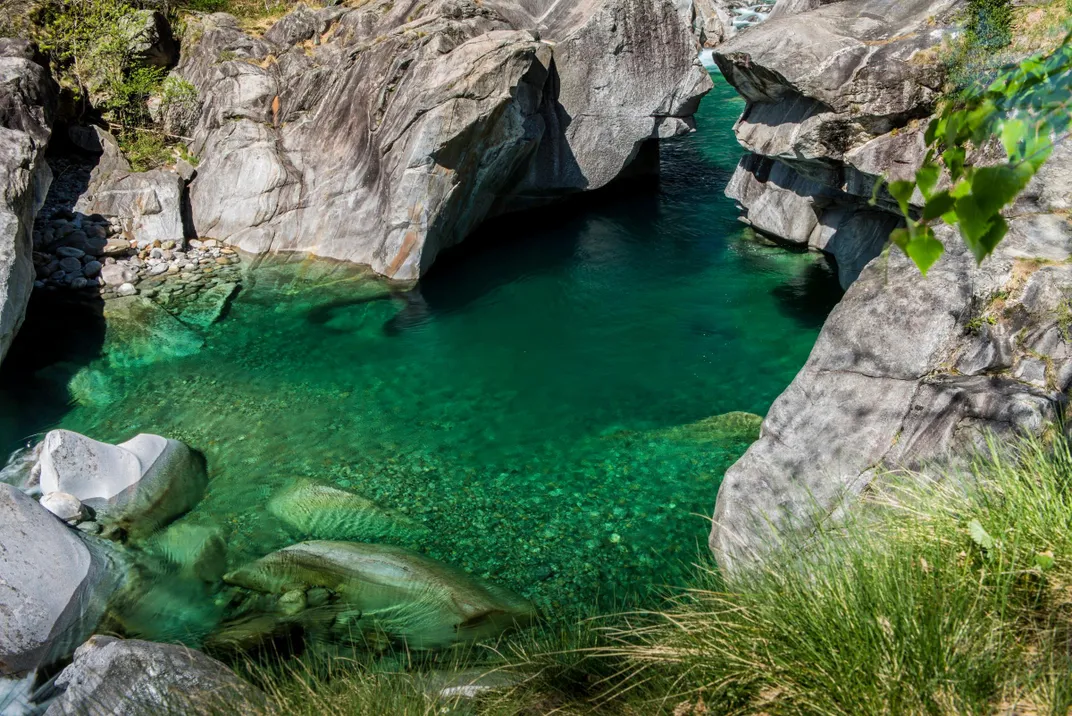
135 678
348 590
147 205
384 133
54 585
27 103
134 487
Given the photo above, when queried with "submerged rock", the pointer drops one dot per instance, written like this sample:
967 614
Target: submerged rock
134 678
198 550
342 590
323 511
719 428
207 308
54 586
384 133
140 332
134 487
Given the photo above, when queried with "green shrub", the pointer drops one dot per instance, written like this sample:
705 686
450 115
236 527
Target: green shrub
91 44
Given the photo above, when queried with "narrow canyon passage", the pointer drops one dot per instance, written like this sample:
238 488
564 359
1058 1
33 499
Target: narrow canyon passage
524 407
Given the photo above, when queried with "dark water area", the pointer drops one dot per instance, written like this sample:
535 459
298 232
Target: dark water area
525 403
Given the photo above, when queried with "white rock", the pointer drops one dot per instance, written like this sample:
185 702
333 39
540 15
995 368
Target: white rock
116 274
126 289
136 485
65 506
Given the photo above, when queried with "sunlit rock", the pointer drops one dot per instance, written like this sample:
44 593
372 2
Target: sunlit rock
133 678
378 589
323 511
54 586
134 487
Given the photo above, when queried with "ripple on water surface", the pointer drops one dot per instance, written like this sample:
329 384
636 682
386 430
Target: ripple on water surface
520 405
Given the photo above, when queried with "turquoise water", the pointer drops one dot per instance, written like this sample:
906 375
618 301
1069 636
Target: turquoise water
521 403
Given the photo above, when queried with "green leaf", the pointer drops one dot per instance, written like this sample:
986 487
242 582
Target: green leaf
997 186
1044 560
1013 132
924 249
954 161
927 178
939 204
902 192
980 536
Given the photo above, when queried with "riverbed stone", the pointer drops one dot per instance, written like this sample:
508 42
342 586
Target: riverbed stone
132 678
323 511
65 506
134 487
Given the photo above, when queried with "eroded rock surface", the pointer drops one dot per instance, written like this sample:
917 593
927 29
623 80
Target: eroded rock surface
27 100
135 486
133 678
908 370
838 95
54 586
385 133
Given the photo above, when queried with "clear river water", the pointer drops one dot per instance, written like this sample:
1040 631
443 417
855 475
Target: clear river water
529 403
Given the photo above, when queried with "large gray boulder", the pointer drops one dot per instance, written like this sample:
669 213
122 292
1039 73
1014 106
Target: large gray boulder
385 133
909 370
134 487
27 100
54 585
147 205
838 95
133 678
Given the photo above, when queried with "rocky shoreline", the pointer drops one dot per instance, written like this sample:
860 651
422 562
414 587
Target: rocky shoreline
907 370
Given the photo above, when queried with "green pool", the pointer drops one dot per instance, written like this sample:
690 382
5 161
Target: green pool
522 403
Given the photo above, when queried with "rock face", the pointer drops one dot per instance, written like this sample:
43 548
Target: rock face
345 589
908 370
145 206
385 133
135 486
133 678
837 97
27 100
54 586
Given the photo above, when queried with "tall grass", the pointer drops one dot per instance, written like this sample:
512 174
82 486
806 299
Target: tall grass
940 596
947 596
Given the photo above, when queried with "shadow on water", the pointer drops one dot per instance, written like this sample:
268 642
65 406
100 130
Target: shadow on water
811 297
63 330
514 246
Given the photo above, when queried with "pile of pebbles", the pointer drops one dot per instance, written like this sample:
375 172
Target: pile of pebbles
75 251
